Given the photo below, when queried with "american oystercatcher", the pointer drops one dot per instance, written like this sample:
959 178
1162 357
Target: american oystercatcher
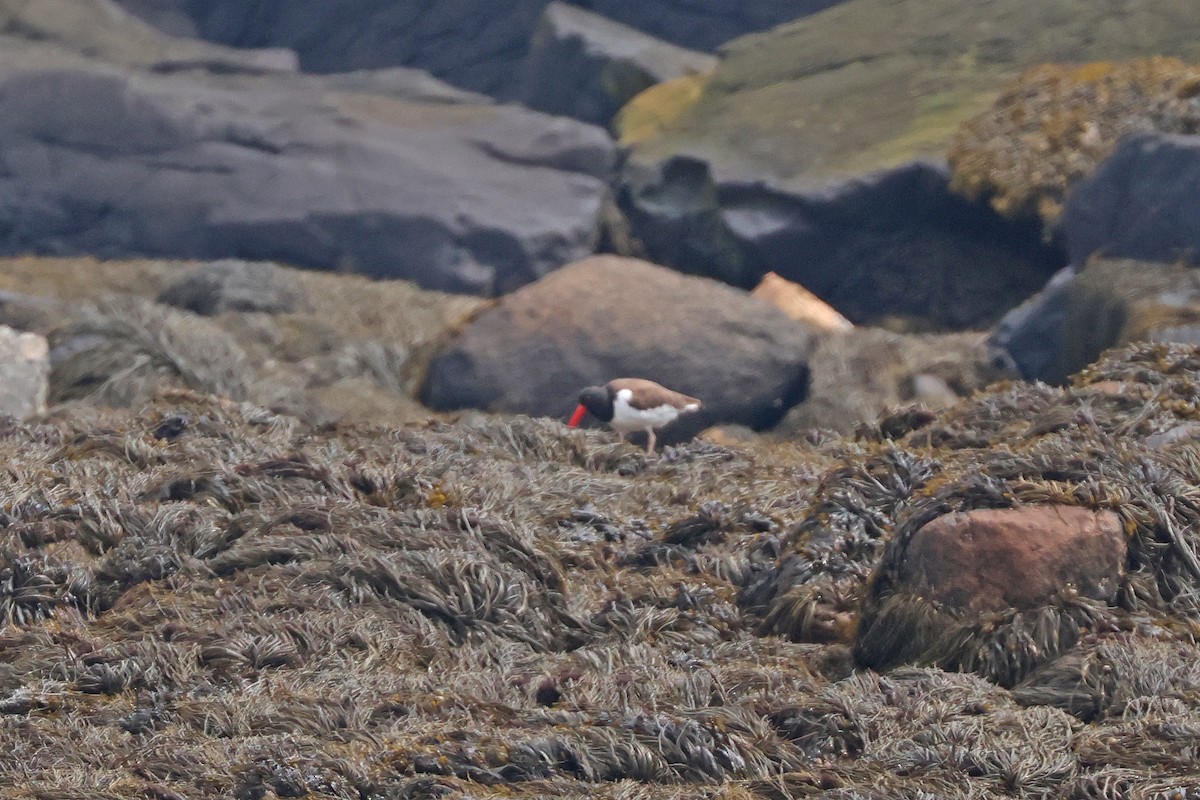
633 404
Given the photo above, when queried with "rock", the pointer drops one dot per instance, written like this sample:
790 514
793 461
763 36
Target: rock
24 373
800 304
169 16
674 211
1109 302
345 172
232 285
586 66
993 559
658 107
730 435
1141 202
29 312
894 243
102 30
701 25
959 587
1054 124
607 317
1028 336
874 84
856 377
476 44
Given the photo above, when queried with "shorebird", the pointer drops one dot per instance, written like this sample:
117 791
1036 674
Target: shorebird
634 404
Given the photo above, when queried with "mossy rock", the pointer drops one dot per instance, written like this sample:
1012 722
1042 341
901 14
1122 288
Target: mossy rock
870 84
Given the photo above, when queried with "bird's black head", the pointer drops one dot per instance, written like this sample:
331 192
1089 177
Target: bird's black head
599 401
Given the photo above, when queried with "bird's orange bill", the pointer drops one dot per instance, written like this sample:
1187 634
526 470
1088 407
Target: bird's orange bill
577 417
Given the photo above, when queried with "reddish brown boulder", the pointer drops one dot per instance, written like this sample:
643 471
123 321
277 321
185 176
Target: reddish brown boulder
993 559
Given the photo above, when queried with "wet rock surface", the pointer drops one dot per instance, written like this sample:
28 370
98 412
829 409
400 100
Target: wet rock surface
608 317
378 173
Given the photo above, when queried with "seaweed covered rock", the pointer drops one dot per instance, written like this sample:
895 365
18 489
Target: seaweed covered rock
984 562
583 65
858 375
125 350
505 607
1141 202
344 352
1055 124
1106 303
1103 444
233 285
607 317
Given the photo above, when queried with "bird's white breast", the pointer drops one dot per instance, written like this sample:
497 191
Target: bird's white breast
627 419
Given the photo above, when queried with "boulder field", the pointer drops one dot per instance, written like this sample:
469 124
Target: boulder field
137 144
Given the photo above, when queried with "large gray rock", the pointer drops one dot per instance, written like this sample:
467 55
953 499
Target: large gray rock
609 317
1028 336
894 243
378 173
1141 202
586 66
24 373
477 44
1106 303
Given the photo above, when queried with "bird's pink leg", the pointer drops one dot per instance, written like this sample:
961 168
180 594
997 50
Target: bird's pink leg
650 440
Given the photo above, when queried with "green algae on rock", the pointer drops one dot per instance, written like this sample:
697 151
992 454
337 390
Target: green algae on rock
871 84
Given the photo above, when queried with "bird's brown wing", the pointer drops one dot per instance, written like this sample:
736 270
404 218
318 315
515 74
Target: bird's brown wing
648 394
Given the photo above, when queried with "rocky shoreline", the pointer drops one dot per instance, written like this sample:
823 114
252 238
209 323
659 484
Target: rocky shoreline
295 297
204 599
